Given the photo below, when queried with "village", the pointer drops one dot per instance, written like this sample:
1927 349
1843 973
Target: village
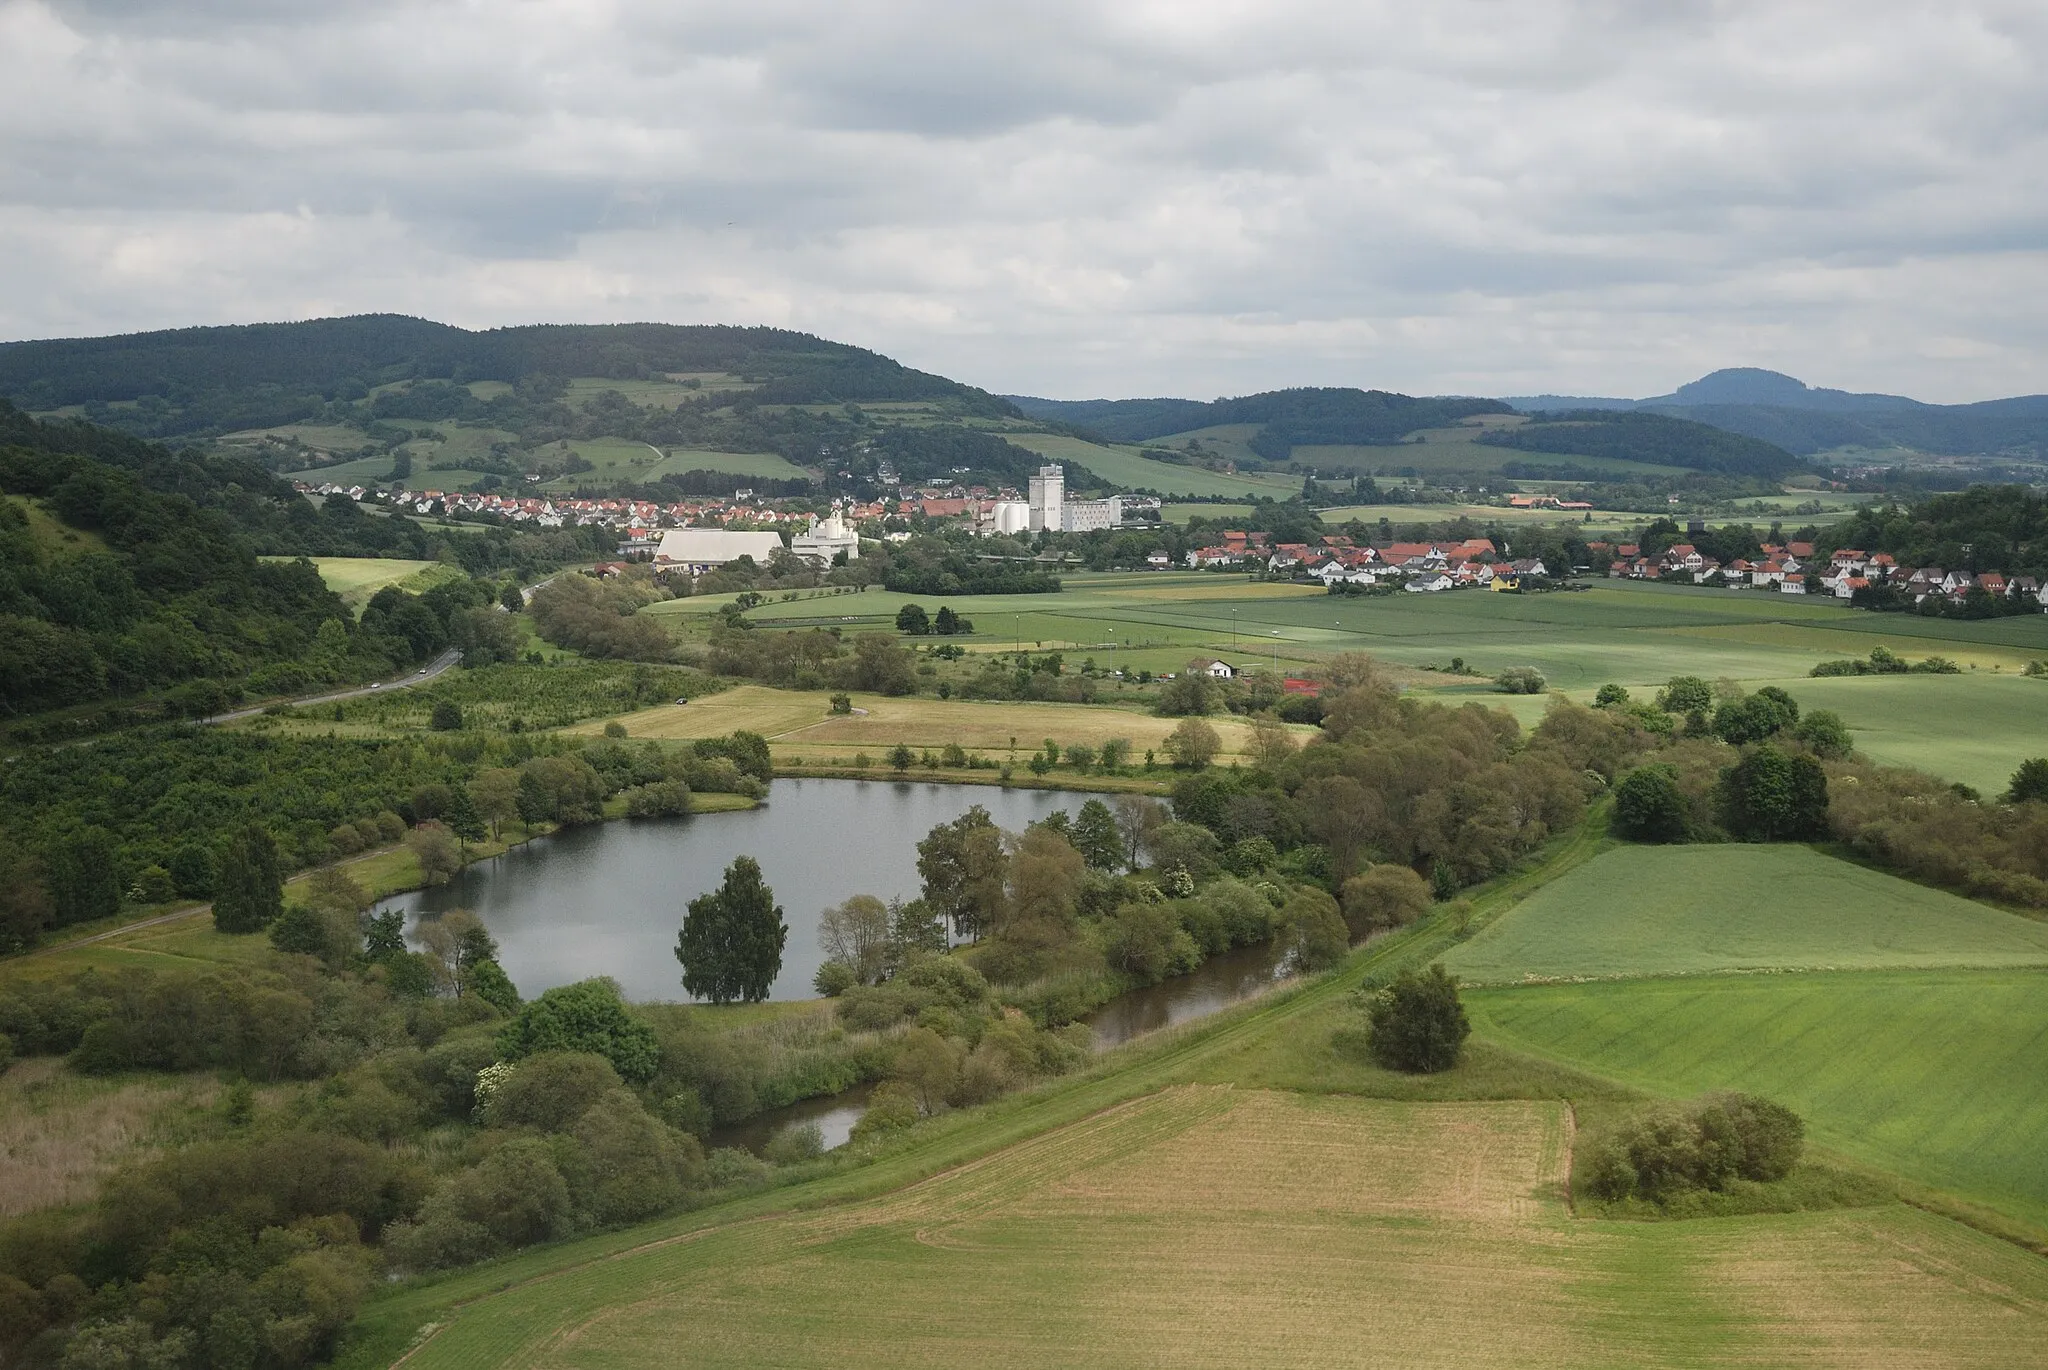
720 530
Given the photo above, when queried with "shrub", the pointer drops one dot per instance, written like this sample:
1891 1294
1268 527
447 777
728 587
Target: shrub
1418 1023
1825 734
1685 694
1664 1153
1769 796
834 978
551 1091
1384 896
447 716
1520 680
588 1016
891 1108
795 1144
1147 942
1610 694
1648 806
2029 782
1313 930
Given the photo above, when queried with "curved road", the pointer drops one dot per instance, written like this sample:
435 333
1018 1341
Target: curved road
404 682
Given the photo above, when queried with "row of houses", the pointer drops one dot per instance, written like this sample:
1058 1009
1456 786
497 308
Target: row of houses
1417 566
633 517
1794 569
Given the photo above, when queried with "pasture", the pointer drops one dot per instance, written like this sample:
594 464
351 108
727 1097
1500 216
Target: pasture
1214 1227
1401 515
1937 1075
1644 911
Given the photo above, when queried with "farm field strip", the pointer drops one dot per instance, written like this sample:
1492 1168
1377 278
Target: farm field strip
1939 1076
1125 466
1216 1227
1688 910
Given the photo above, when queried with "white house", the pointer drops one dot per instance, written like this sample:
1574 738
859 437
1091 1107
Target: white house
1215 670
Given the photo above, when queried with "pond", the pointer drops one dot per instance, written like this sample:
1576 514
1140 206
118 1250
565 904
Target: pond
609 898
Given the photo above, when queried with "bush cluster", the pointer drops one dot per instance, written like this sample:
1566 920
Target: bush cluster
1709 1144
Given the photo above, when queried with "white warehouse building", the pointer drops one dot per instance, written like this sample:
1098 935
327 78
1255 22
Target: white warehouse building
694 551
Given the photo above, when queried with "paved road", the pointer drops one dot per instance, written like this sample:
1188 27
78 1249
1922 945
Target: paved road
419 677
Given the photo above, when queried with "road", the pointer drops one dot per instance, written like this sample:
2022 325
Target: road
419 677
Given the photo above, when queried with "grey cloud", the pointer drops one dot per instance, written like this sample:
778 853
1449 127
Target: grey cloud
1188 196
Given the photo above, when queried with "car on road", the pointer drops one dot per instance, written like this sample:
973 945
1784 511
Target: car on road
376 684
684 700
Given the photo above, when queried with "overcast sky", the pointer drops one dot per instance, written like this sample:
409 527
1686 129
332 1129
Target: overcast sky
1183 197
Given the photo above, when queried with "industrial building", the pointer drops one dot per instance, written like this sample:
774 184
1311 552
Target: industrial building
693 551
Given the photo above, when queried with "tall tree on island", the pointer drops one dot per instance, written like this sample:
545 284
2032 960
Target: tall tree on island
732 938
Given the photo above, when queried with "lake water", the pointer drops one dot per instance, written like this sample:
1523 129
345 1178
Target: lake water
609 898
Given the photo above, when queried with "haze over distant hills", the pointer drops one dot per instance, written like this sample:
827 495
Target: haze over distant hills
1806 419
1767 405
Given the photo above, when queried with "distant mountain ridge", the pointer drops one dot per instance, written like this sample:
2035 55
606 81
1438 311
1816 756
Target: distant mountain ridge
1807 419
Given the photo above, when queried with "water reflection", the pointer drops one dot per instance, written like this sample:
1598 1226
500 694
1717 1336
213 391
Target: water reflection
1216 984
608 899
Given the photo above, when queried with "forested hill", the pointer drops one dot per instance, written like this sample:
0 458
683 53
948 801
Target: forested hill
1787 412
210 380
127 569
1306 417
1637 436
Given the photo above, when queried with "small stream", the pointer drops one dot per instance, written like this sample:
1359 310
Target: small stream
1231 978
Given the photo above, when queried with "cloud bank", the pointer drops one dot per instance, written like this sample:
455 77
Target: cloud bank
1192 198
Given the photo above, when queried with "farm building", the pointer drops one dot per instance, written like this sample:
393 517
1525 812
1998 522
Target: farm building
694 551
1216 670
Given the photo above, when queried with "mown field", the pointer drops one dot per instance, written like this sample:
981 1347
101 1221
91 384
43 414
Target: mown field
800 724
1940 1076
1213 1227
1654 911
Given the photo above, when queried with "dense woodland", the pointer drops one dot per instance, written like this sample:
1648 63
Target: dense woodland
127 570
1635 436
214 380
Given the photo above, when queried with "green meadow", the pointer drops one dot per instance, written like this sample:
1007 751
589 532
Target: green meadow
1940 1076
1658 911
1970 727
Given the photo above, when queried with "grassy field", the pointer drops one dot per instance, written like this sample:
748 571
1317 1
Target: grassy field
800 723
1436 451
1126 466
355 579
1971 727
1941 1076
60 1132
1214 1227
1975 728
764 464
1603 520
1187 513
1643 911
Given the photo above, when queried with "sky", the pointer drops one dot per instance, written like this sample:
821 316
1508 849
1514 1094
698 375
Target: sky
1149 197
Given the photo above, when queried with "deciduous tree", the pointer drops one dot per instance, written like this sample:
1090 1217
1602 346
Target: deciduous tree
731 943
